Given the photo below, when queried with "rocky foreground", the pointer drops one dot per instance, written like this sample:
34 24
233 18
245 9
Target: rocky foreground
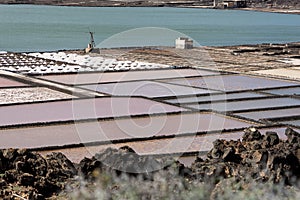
263 159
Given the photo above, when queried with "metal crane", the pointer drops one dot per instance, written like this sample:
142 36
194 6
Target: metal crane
92 41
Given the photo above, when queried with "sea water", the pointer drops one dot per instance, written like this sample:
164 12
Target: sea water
43 28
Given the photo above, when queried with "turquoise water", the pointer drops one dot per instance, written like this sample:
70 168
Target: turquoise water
38 28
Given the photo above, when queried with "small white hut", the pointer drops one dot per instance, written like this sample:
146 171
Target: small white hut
184 43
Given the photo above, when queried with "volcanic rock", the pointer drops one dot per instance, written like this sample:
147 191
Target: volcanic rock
258 157
251 134
262 157
26 179
293 136
124 160
36 177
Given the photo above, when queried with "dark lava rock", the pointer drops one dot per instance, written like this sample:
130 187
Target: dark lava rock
10 175
251 134
60 167
293 136
218 150
47 187
230 156
271 138
213 172
123 160
259 156
2 183
36 176
226 151
26 179
262 157
126 161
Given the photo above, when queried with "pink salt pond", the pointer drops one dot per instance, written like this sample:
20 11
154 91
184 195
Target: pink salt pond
5 82
232 82
149 89
124 129
79 109
176 145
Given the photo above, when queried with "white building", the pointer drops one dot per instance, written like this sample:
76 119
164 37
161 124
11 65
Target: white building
184 43
234 4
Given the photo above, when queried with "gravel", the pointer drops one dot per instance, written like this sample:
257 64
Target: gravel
30 94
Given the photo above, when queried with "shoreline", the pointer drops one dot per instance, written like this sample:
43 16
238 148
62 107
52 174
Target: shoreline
295 11
80 49
257 45
273 10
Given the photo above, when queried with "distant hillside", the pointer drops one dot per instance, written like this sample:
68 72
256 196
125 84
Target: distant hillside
274 3
184 3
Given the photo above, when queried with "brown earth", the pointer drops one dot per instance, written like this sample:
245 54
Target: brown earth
240 58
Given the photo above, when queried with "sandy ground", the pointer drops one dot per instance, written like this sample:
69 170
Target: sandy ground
292 61
274 10
31 94
282 72
241 59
